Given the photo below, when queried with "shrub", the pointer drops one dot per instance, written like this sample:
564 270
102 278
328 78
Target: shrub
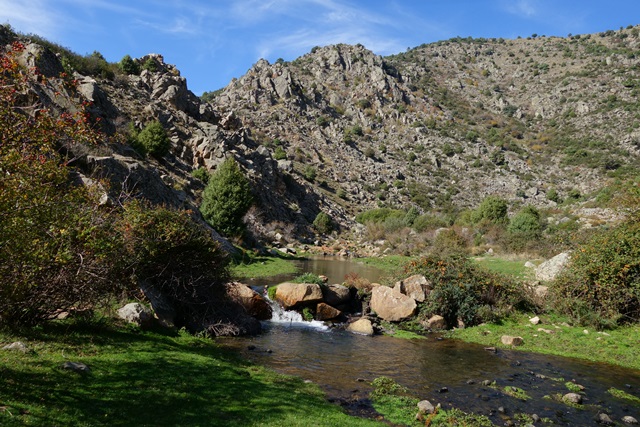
226 198
280 154
428 222
323 223
378 215
526 223
603 277
309 173
461 289
492 209
153 140
202 174
150 65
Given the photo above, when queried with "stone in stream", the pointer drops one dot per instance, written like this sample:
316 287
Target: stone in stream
572 398
627 419
604 419
362 327
326 312
292 295
336 295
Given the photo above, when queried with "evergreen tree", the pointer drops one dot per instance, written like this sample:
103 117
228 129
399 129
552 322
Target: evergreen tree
226 199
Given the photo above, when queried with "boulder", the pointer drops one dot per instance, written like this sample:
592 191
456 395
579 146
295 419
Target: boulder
362 327
294 295
78 367
392 305
534 320
137 313
254 303
426 407
604 419
628 419
416 287
550 269
16 346
326 312
572 398
337 295
512 341
436 322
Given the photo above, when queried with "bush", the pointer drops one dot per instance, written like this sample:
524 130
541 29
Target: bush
280 154
323 223
202 174
526 223
55 249
603 277
492 209
378 215
153 140
309 278
461 289
226 199
310 173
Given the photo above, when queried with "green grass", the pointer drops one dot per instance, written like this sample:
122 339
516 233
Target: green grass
263 267
148 379
618 346
621 394
513 268
392 264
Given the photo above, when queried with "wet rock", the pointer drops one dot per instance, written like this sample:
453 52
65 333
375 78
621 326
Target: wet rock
627 419
572 398
254 303
512 341
362 327
326 312
604 419
391 305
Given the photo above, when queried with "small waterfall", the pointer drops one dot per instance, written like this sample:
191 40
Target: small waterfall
283 317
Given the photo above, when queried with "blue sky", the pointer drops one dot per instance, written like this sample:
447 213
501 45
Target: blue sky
212 41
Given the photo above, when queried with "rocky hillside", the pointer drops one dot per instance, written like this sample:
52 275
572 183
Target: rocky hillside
341 130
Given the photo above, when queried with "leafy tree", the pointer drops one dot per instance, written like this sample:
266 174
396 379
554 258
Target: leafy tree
226 199
153 140
526 223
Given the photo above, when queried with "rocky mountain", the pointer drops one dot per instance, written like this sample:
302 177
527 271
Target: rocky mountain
341 130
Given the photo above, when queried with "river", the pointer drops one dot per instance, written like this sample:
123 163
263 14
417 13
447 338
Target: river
449 372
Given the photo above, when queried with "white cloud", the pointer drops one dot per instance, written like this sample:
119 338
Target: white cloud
522 8
30 16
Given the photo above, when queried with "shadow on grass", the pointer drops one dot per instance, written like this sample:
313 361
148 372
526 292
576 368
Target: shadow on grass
148 380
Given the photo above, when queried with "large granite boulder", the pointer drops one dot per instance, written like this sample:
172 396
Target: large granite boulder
416 287
392 305
295 295
137 313
326 312
253 302
550 269
336 295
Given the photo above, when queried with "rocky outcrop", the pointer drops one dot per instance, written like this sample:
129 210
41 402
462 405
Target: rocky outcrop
337 295
296 295
391 305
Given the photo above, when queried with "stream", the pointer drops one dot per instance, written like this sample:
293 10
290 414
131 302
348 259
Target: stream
449 372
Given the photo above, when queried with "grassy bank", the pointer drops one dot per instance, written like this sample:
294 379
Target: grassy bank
263 267
618 346
148 378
